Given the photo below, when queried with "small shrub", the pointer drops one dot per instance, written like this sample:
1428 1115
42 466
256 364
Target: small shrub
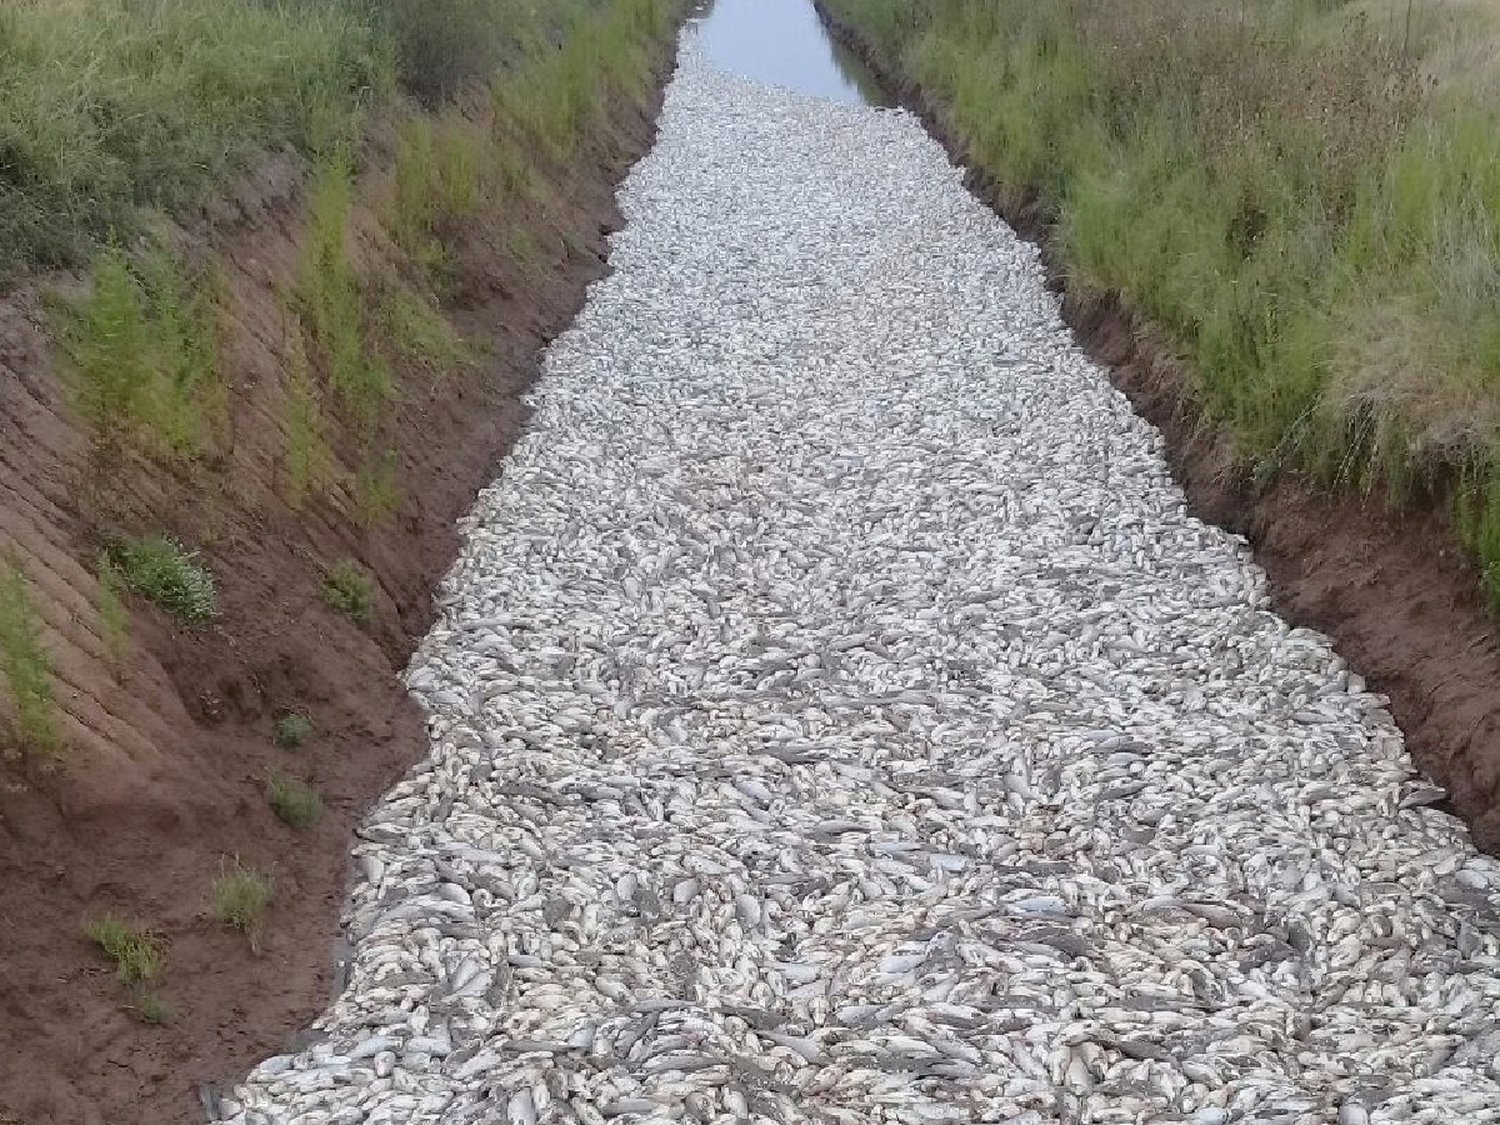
292 730
239 897
25 664
294 801
158 569
144 348
346 588
138 955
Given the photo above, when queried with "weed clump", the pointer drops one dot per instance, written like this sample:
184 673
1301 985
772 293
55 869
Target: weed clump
292 730
144 350
137 954
295 802
114 618
239 898
346 587
157 568
25 663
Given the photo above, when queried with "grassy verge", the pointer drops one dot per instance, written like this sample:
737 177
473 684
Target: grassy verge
1306 195
108 105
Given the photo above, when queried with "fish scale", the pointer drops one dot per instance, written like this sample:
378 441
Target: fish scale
837 717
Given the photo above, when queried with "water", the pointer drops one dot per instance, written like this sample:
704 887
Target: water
783 43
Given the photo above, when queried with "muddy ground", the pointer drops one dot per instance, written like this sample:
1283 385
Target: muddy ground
1392 587
167 752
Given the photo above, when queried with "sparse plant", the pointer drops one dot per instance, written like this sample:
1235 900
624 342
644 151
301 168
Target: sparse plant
114 618
157 568
292 730
377 491
239 898
150 1008
143 346
25 663
306 457
346 587
295 802
330 299
137 954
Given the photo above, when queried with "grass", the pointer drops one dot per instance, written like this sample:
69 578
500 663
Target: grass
292 730
330 299
109 105
295 802
419 333
377 489
150 1008
346 587
114 618
1306 196
157 568
239 898
26 665
307 460
143 348
138 956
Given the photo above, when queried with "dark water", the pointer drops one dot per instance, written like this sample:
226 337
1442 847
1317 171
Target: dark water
782 42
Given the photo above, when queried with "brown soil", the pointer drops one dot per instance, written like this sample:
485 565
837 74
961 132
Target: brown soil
166 755
1393 588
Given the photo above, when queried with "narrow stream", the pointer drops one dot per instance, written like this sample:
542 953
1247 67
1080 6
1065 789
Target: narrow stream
783 43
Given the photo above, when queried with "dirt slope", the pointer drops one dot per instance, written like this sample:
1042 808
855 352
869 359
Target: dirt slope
168 752
1393 588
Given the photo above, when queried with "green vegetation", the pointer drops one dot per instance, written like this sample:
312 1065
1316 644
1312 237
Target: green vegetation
143 346
25 664
419 333
292 730
330 299
138 955
346 587
306 458
157 568
1306 195
107 105
114 618
294 801
151 1008
239 898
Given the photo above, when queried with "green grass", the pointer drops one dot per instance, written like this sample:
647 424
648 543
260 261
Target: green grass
307 460
138 956
114 617
143 348
1306 196
159 570
295 802
26 665
292 730
239 897
109 105
150 1008
346 587
331 301
419 333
